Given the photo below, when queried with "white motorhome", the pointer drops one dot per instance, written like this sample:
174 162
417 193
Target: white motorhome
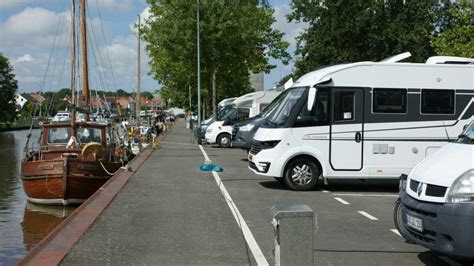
364 120
248 105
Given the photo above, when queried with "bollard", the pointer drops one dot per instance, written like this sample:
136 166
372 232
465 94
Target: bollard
294 229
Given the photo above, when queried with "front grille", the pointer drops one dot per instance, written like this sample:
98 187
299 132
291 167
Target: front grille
256 147
431 190
235 129
425 236
424 213
414 185
435 191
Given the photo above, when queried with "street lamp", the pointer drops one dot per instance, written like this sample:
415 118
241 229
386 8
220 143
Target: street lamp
198 66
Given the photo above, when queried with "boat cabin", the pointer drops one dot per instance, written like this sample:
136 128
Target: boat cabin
57 139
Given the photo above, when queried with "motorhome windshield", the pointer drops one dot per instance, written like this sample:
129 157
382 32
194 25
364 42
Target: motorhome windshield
228 113
284 106
222 112
272 106
467 137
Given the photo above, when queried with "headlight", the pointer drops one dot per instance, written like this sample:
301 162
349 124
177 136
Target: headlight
462 189
269 144
403 182
209 130
247 127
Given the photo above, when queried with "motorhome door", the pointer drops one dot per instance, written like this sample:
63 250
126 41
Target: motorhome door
347 129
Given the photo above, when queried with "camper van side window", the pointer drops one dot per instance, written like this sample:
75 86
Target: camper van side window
318 115
344 106
243 114
389 100
437 101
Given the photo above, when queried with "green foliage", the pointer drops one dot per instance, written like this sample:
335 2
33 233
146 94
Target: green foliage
236 39
147 94
286 78
362 30
8 87
458 36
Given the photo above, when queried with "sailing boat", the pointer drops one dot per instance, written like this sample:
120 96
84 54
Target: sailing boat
141 133
74 159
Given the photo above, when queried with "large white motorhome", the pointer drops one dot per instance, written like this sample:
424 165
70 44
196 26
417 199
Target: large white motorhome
248 105
364 120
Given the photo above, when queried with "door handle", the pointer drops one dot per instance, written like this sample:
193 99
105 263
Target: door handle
358 137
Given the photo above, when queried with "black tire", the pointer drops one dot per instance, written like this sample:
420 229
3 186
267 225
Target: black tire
301 174
223 140
398 220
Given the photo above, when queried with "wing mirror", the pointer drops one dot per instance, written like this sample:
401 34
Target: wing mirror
311 98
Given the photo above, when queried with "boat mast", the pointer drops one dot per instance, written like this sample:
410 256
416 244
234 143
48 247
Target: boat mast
85 66
138 75
73 53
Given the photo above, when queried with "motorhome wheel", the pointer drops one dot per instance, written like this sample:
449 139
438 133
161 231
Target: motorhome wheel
224 140
301 174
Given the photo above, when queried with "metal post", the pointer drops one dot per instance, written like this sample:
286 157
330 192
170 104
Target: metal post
198 66
138 75
294 231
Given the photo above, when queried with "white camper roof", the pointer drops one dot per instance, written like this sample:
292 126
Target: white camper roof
392 75
227 101
247 99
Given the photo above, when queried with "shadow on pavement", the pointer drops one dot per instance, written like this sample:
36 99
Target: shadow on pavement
433 258
369 185
345 186
273 185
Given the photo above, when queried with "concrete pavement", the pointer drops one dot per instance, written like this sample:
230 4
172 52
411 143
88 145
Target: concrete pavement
172 213
169 213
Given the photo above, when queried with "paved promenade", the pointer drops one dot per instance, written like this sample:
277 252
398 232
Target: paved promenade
169 213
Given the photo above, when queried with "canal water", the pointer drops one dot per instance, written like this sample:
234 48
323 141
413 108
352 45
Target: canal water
22 224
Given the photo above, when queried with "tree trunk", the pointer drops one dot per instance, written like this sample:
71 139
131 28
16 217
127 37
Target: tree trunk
214 106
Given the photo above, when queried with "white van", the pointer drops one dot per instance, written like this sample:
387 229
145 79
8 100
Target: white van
436 206
364 120
248 105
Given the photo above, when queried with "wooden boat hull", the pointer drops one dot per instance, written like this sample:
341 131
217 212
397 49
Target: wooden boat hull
64 181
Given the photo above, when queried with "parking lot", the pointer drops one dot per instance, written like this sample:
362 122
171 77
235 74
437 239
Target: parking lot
354 218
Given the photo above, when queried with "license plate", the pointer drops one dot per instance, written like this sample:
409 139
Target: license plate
415 223
249 157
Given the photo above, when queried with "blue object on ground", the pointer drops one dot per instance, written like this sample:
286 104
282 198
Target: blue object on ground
211 167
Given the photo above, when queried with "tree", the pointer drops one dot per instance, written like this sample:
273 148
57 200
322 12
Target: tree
236 39
361 30
8 88
457 39
121 92
147 95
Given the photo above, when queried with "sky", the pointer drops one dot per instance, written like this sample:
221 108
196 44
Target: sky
30 28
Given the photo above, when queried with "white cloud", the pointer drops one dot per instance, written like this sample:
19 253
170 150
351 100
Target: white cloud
34 28
25 58
10 4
